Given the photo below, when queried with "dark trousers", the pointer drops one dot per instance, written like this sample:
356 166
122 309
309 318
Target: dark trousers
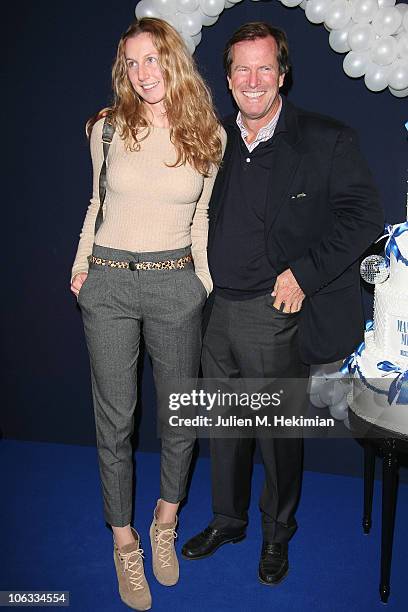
251 339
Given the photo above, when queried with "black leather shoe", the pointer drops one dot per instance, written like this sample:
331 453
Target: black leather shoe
206 542
274 563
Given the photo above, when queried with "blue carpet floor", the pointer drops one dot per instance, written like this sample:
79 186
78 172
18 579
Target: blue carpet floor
53 538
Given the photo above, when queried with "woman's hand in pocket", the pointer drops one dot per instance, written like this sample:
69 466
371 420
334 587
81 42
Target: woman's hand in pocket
77 283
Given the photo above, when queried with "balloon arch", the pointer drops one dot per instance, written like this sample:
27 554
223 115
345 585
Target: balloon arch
373 33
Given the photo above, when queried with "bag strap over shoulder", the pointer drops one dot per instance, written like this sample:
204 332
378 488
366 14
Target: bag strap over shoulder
107 135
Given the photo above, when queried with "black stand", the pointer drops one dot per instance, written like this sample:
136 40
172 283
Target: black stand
389 445
369 470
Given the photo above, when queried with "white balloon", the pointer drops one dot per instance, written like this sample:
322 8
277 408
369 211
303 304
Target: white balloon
228 4
187 6
402 45
332 370
398 75
212 7
405 21
303 4
234 1
145 8
316 401
338 14
206 20
291 3
364 10
402 9
354 64
316 384
332 392
361 37
165 7
384 50
387 21
402 93
316 10
376 77
190 23
340 410
316 371
173 21
189 43
346 422
197 38
383 3
338 39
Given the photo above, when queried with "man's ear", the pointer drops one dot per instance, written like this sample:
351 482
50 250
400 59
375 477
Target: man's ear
281 80
229 82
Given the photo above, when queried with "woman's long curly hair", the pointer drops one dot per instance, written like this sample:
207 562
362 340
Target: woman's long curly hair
194 126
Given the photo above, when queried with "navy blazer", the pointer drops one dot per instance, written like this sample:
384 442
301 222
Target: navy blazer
320 235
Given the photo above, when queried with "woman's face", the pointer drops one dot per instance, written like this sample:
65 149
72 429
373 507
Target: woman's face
142 60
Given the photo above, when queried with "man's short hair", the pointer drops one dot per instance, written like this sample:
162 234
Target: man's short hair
252 31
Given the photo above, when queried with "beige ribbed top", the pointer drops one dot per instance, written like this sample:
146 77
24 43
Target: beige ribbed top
148 206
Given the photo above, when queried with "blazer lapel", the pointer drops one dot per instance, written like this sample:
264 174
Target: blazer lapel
286 162
285 165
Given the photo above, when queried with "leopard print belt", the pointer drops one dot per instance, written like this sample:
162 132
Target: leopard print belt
169 264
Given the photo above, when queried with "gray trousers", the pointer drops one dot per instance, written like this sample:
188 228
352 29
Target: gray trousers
118 305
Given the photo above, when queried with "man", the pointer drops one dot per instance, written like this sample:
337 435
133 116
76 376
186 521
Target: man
293 208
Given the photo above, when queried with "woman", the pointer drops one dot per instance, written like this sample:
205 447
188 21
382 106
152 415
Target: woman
142 271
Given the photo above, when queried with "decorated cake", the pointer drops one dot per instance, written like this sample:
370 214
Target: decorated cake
379 366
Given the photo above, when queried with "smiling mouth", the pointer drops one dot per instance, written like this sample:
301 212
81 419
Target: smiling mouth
253 94
149 86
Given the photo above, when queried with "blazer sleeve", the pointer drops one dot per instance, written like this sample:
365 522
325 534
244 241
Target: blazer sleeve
357 215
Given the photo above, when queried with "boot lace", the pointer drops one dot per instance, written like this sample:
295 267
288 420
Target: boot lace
133 564
165 541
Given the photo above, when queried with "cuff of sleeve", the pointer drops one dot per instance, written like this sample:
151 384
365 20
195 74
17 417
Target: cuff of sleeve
306 276
76 271
206 280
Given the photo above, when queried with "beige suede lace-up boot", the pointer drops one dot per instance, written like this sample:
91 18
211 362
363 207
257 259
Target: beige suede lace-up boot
165 562
133 588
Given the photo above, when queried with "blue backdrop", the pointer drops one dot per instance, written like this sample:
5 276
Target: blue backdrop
58 74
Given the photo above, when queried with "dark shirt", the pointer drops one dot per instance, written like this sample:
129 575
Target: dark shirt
238 262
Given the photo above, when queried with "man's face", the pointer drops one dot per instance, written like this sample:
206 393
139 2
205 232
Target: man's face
255 80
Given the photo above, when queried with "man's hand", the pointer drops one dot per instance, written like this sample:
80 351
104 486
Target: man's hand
77 283
287 292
